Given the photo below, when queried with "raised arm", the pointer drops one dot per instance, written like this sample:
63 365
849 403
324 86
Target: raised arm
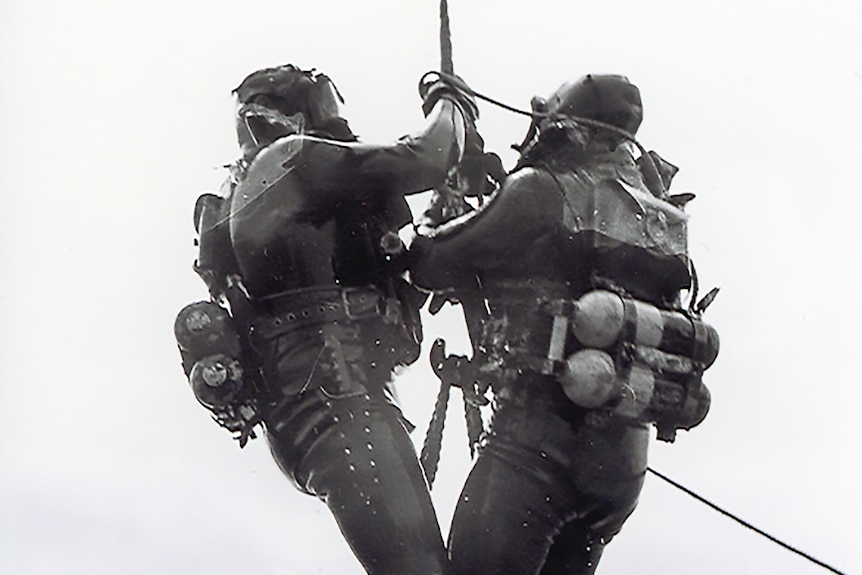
413 163
420 161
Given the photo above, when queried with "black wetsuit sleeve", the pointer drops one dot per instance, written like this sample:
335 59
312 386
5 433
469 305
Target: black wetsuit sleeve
418 162
414 163
526 209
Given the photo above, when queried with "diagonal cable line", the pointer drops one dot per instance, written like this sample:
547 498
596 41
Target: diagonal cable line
743 522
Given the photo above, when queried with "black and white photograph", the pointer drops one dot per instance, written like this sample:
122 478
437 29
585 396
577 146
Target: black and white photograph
430 287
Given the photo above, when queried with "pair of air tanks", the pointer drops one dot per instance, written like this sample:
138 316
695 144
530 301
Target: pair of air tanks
640 353
635 359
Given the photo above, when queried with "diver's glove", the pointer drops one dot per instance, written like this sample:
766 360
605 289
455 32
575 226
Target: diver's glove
436 85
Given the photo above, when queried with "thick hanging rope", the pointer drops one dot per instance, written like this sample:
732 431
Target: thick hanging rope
430 455
446 65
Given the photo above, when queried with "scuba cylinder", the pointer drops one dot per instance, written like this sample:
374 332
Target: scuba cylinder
205 328
589 378
210 347
601 319
216 380
639 361
592 378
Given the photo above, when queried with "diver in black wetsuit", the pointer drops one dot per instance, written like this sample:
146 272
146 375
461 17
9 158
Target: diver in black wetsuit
555 481
305 244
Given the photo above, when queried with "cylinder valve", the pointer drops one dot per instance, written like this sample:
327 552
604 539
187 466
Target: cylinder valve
216 380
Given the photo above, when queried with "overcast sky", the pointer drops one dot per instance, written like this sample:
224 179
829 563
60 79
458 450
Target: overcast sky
116 115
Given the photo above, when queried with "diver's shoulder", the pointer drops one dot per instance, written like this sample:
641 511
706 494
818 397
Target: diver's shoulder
528 179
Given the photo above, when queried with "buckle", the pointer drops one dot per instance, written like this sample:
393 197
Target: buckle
361 302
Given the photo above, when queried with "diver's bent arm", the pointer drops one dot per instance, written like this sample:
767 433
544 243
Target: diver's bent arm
523 211
414 163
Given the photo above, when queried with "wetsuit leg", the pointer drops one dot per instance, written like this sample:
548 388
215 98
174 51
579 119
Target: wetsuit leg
502 523
578 546
574 551
543 479
356 456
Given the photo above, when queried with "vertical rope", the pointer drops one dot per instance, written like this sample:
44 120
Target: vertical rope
473 307
446 65
430 455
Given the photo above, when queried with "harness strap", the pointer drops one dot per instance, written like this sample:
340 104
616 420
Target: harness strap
285 312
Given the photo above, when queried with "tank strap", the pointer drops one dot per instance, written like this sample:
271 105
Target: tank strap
503 340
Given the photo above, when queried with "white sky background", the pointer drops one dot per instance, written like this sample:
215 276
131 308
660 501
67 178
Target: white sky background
115 117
